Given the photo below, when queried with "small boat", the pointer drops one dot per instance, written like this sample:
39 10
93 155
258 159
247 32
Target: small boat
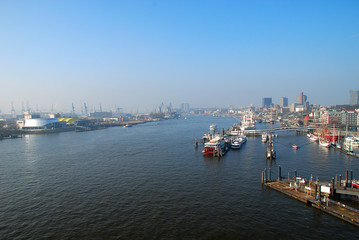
206 138
264 137
314 138
213 127
236 143
295 146
355 184
324 143
353 141
235 130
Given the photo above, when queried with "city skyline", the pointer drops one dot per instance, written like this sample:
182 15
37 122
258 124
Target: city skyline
137 54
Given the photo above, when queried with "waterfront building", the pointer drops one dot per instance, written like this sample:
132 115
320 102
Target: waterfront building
350 118
354 97
332 118
37 124
283 102
266 102
101 115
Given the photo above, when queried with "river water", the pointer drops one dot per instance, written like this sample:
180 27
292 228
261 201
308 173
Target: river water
149 182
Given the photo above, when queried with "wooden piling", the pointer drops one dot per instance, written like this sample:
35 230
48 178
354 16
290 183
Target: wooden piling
351 175
269 173
316 191
332 188
346 178
319 195
340 180
295 175
279 173
265 175
262 177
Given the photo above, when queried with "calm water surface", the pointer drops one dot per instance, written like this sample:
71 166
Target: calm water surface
149 182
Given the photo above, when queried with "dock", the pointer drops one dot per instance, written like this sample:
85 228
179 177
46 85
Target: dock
316 194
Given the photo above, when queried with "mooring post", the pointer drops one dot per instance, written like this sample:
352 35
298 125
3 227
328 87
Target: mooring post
332 188
340 180
262 177
265 175
316 191
351 175
279 173
269 172
319 194
346 178
295 175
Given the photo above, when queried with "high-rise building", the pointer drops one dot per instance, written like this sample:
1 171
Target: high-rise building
185 107
354 97
302 99
266 102
283 102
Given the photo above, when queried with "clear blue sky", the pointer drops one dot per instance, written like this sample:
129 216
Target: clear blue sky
137 54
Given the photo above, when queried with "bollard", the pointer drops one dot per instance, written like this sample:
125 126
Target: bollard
319 195
262 177
279 173
340 180
265 175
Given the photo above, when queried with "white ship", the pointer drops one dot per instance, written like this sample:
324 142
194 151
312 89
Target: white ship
248 122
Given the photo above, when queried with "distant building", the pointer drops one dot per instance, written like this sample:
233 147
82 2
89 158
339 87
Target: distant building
350 118
266 102
306 120
354 97
285 110
283 102
332 118
185 107
101 115
302 99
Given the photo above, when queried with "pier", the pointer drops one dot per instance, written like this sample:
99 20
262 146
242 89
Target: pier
317 194
259 132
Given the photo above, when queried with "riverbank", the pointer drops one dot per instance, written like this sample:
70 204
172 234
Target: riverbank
16 133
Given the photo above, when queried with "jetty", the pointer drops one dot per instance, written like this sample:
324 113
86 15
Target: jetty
317 194
270 152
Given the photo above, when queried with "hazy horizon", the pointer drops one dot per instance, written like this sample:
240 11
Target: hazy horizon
137 54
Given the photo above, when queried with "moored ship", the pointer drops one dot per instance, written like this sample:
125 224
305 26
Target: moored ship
215 147
248 122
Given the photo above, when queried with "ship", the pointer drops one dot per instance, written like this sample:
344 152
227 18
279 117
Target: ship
248 122
215 147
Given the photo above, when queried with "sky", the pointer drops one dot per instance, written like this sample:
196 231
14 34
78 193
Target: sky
209 53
